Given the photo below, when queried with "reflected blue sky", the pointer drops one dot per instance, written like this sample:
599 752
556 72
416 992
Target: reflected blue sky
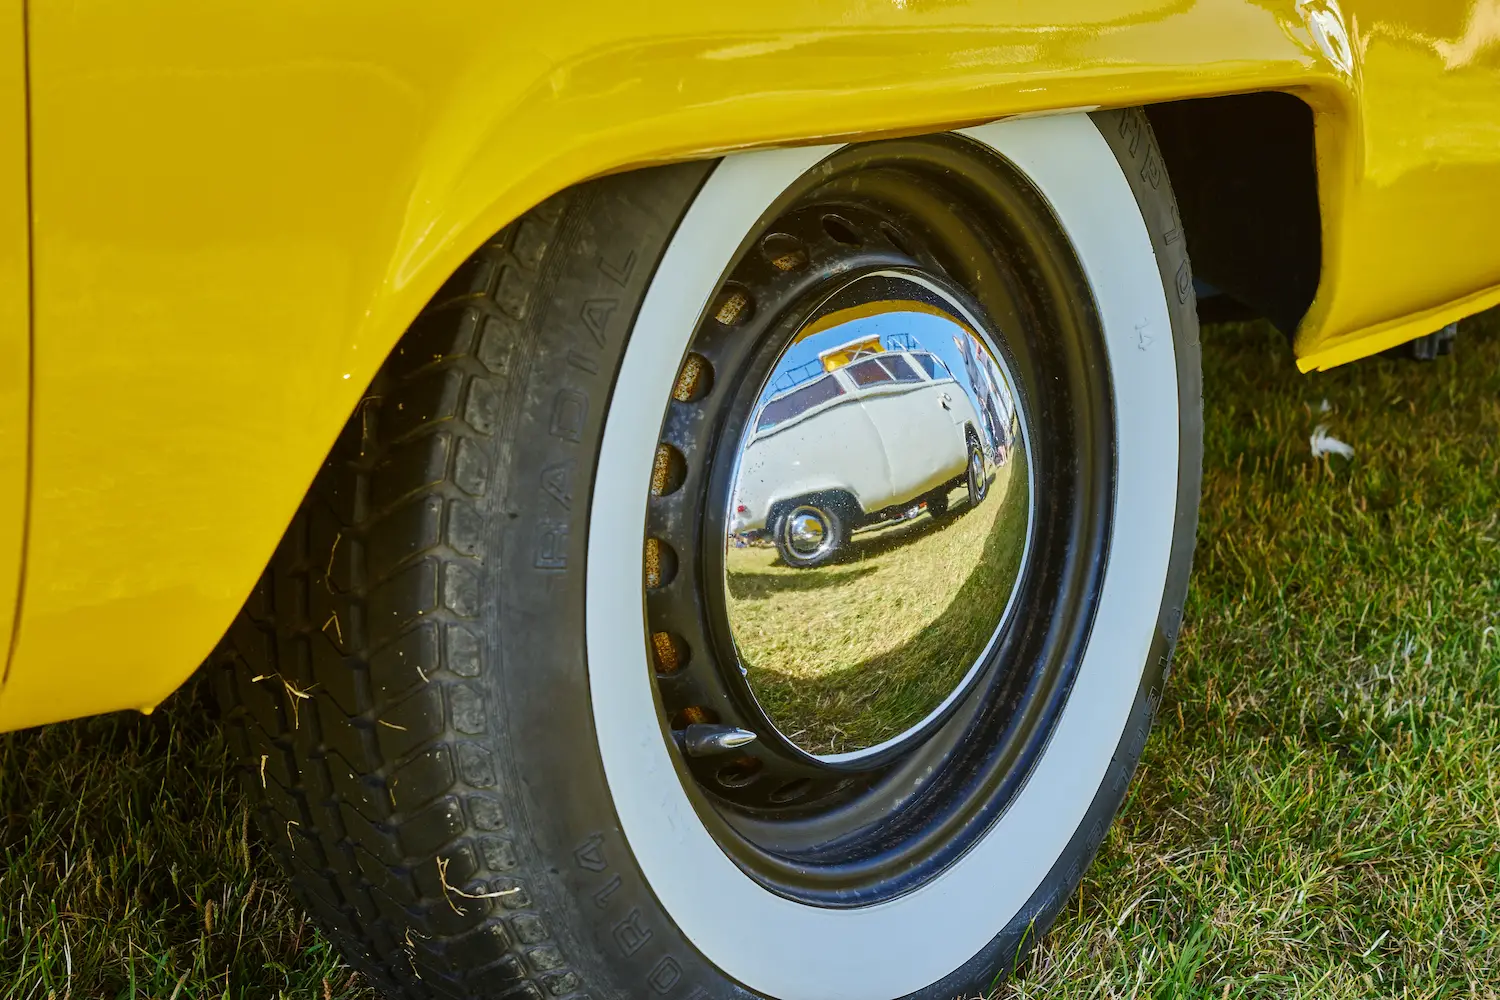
933 333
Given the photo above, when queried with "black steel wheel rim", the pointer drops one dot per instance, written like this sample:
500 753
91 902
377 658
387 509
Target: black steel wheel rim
849 833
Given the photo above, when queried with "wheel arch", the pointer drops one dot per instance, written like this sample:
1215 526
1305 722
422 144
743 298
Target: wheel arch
840 498
1245 173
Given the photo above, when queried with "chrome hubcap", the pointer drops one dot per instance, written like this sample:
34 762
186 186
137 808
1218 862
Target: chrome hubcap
890 405
807 535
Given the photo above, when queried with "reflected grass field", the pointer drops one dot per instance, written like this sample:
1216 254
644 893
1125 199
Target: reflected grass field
846 656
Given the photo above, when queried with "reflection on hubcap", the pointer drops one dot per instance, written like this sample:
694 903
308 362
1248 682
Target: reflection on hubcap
805 531
858 616
978 482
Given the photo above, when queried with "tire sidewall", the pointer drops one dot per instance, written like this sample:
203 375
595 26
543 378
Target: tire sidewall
610 927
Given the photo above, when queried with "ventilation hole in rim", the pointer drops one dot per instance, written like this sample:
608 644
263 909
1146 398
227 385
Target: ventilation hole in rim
791 791
785 253
693 380
694 715
841 230
733 306
669 652
668 470
739 772
661 563
897 240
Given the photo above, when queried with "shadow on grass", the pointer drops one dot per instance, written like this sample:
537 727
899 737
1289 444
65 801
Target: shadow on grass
758 586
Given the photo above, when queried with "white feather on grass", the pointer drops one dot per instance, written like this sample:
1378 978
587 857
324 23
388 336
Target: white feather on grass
1324 443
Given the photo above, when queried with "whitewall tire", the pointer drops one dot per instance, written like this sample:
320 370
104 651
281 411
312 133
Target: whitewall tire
496 788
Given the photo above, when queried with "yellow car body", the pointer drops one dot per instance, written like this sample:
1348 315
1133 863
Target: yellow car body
217 219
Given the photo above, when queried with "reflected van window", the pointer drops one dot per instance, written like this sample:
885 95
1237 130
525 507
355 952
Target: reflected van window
934 367
900 367
798 401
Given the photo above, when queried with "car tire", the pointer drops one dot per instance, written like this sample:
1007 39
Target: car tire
452 720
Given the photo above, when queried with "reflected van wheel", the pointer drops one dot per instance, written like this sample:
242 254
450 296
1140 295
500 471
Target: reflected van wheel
811 535
488 701
976 479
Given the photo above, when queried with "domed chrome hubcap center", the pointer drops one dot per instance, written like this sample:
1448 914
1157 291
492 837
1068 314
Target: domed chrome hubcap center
806 531
881 508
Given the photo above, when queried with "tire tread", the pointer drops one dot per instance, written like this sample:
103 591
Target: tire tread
347 680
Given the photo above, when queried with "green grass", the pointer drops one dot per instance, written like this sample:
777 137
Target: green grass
1318 810
854 653
128 869
1317 813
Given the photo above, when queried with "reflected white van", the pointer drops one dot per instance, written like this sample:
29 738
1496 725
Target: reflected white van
859 444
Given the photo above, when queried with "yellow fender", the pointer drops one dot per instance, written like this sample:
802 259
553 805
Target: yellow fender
236 210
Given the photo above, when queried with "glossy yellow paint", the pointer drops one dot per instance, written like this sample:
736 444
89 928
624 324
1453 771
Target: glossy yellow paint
15 319
1382 336
238 207
1410 197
